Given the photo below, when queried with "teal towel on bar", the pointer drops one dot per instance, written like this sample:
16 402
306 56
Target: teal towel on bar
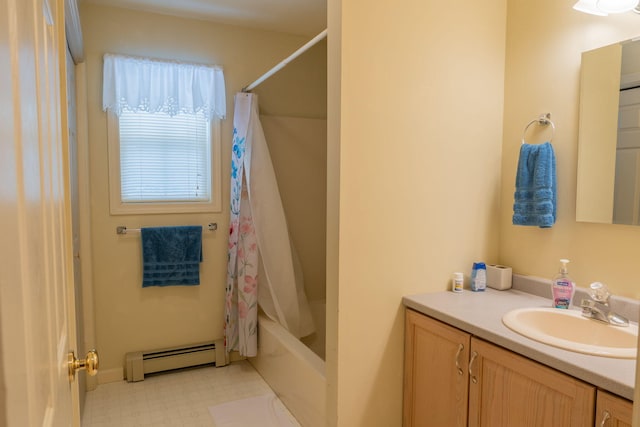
171 255
535 196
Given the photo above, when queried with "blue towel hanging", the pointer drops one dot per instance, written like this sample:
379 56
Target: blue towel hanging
171 255
535 196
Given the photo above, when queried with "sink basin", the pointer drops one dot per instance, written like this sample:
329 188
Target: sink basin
569 330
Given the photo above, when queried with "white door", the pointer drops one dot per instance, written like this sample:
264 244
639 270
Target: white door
37 319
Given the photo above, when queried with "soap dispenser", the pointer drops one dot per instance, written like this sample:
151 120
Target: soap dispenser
562 287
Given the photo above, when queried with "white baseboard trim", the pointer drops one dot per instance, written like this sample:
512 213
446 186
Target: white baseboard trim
110 375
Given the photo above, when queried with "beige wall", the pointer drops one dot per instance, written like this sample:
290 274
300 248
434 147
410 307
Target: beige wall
419 154
129 318
303 83
544 43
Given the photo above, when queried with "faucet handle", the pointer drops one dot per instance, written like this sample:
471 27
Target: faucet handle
599 292
587 306
587 303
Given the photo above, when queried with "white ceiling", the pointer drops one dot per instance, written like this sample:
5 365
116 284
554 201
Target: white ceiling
304 17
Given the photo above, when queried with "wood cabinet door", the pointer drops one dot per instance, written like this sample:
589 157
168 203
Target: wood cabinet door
508 390
435 373
612 411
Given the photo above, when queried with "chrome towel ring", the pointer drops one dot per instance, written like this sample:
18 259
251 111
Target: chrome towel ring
543 120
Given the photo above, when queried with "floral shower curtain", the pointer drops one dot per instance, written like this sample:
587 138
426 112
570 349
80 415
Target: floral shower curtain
262 265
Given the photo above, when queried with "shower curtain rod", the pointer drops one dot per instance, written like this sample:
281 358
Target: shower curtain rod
286 61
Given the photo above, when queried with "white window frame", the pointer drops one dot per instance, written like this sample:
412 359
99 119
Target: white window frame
118 207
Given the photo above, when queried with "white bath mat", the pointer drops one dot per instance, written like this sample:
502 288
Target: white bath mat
260 411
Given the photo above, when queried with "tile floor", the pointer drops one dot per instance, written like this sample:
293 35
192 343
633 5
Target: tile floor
173 399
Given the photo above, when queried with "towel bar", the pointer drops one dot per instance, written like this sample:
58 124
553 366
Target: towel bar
121 229
543 120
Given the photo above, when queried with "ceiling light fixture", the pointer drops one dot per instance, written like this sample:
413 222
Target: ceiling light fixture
616 6
605 7
589 6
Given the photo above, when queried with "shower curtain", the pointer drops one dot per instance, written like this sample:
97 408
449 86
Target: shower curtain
262 265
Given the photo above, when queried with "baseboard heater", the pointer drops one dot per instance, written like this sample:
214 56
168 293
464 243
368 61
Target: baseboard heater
139 363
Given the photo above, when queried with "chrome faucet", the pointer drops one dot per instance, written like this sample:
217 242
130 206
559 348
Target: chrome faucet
597 307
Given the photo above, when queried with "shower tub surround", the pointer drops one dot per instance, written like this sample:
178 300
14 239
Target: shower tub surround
480 314
294 372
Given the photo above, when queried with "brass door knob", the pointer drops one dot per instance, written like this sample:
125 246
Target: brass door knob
90 363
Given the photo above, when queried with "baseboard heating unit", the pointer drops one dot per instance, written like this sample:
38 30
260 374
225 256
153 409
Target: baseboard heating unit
139 363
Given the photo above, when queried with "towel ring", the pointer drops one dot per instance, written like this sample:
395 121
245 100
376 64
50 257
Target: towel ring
543 120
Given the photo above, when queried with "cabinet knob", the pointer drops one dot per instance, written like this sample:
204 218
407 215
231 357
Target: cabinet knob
605 417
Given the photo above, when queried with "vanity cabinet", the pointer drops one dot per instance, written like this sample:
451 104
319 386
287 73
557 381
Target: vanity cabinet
613 411
454 379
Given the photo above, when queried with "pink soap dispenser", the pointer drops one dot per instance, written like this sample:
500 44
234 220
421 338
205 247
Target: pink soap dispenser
562 287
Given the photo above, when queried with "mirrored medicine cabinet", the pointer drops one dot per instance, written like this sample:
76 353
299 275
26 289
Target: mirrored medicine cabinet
608 178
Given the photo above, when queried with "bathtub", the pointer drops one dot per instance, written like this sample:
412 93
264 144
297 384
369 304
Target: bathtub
294 372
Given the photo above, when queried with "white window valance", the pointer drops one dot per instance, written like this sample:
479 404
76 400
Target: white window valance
142 84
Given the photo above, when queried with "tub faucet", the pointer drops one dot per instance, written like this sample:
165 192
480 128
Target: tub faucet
597 307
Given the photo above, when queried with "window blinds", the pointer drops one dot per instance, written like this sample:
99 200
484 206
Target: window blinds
164 158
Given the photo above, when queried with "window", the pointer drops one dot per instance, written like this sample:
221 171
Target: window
163 134
163 164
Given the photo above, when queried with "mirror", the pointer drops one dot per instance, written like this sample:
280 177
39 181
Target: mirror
609 135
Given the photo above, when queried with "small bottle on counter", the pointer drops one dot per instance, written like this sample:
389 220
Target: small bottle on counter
457 282
479 277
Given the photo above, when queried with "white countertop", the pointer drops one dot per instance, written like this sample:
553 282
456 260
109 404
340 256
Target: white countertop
480 314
